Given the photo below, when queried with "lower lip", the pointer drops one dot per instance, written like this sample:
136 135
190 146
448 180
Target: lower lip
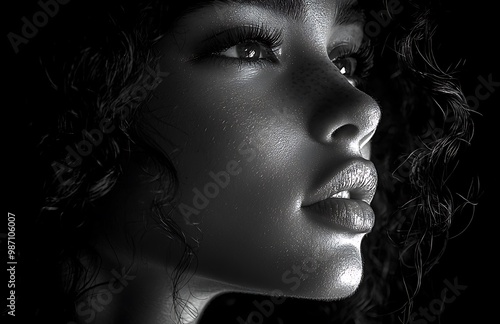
352 215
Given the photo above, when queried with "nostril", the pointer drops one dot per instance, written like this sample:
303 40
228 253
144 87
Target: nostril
345 132
366 138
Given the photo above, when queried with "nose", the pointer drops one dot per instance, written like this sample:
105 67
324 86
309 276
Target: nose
341 113
345 115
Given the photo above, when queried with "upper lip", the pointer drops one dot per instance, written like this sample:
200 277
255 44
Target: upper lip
358 177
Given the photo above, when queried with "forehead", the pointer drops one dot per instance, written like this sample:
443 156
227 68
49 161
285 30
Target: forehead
344 11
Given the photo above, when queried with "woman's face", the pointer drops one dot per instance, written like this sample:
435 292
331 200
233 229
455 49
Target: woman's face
259 112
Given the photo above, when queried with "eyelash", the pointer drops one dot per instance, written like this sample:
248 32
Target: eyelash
222 41
272 39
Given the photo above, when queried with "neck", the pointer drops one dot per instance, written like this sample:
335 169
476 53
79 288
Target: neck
143 292
190 302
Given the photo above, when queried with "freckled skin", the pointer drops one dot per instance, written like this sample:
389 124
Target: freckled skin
281 129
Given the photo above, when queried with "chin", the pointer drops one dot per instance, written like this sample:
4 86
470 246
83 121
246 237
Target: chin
339 280
339 284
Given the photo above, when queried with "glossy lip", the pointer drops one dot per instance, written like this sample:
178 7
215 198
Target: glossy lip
343 201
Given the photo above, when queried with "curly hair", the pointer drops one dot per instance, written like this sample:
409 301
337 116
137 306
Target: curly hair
426 125
96 95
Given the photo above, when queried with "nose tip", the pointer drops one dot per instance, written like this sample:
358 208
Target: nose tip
350 119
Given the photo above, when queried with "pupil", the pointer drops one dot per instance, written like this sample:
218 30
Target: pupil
249 51
343 66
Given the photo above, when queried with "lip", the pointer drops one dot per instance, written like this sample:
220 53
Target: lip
352 215
344 200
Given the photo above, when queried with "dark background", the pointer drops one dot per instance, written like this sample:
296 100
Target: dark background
469 32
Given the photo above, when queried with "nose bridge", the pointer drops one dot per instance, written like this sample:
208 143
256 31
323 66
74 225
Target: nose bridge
338 112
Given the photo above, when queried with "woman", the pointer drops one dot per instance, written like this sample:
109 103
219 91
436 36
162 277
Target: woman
199 149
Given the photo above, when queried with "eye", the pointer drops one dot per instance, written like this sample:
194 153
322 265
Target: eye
353 61
346 65
248 51
247 45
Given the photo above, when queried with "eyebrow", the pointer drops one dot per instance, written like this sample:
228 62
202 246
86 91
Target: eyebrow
346 12
349 12
289 8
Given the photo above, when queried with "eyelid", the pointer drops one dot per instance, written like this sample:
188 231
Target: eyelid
227 38
344 48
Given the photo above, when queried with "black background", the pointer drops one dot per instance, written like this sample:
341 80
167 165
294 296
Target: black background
471 33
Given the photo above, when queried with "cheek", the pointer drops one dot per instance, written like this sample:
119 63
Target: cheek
222 141
210 121
243 160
